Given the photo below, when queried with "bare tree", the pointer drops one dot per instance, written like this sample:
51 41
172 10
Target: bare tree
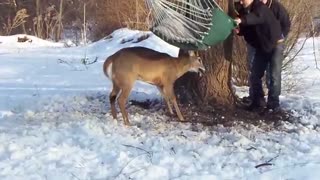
60 27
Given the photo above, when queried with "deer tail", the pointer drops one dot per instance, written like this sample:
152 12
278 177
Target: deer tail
107 68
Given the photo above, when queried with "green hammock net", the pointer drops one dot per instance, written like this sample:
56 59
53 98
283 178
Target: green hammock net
190 24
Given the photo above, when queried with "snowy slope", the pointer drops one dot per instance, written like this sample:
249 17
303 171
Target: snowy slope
55 123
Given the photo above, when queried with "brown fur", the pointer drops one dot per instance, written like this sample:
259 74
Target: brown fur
159 69
105 66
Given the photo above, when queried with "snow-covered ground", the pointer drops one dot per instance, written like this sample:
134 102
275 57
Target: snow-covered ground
55 123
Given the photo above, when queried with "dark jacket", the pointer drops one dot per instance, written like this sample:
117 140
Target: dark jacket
260 27
281 14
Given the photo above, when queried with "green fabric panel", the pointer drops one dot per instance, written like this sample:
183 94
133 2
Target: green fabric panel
221 28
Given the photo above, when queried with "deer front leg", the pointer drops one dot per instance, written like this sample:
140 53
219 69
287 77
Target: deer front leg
166 99
175 104
112 98
173 99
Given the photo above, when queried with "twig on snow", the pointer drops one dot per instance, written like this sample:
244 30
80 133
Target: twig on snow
137 170
120 172
251 148
130 146
74 68
273 158
63 62
267 163
148 153
314 52
173 150
86 62
263 164
75 176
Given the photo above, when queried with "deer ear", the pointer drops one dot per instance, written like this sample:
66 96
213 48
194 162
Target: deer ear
192 53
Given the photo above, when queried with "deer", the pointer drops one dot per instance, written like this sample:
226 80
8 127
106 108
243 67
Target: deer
139 63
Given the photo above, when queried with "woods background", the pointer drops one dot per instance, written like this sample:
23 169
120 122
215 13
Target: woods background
82 20
56 19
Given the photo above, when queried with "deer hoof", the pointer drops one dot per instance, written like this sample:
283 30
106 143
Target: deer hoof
182 119
169 114
127 123
114 115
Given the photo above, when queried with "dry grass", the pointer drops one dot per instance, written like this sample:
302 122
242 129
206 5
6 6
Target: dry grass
110 15
18 20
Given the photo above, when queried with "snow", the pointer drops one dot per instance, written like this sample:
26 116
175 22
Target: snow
55 122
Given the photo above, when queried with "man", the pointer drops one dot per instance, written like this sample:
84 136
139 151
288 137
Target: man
282 15
262 31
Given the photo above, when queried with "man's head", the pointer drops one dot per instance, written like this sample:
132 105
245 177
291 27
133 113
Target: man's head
246 3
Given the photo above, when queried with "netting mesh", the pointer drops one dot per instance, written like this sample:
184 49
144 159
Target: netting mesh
184 21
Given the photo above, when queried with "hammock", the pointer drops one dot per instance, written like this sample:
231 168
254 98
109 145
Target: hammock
189 24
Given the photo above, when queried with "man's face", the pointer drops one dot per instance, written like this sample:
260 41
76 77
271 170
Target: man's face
246 3
264 1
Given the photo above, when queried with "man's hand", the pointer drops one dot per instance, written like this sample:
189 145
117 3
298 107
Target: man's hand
236 30
237 20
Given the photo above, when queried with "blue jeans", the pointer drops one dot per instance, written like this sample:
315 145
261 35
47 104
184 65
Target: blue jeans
260 63
251 51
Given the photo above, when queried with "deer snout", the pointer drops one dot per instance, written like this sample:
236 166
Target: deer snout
199 69
202 70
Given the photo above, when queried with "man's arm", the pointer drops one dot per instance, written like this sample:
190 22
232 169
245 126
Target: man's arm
253 19
250 19
284 19
257 16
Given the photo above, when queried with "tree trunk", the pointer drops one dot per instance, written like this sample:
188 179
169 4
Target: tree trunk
38 29
59 30
215 87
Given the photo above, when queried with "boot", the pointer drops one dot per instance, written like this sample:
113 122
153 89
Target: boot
256 105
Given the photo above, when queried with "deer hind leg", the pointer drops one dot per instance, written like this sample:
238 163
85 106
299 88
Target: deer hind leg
172 97
125 91
112 97
166 99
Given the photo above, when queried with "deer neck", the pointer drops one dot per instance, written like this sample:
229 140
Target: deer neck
182 66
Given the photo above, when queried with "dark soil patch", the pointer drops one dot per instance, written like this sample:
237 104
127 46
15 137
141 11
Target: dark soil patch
212 116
